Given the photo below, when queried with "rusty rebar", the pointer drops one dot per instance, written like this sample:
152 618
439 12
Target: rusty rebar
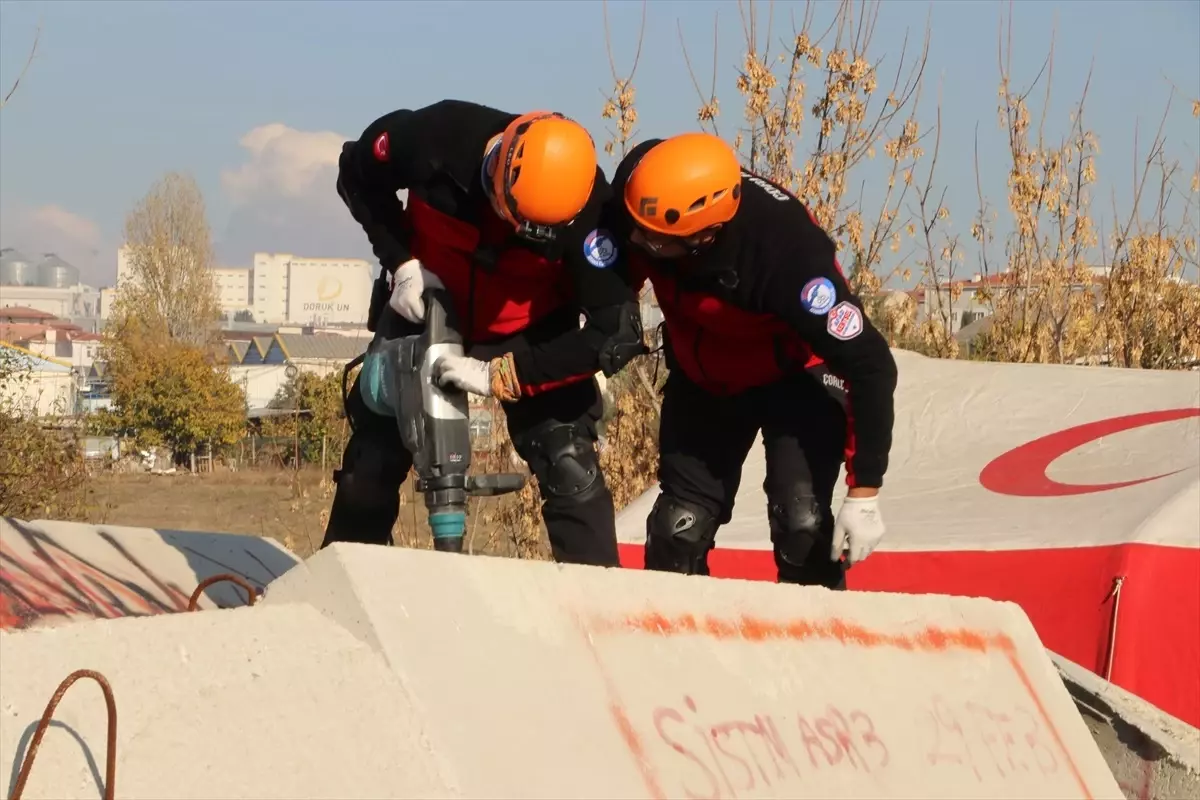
110 765
224 576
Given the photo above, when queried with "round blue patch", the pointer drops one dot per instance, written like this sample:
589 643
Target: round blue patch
599 249
818 296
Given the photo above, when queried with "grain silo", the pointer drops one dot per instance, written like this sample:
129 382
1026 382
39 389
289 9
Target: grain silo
54 273
16 269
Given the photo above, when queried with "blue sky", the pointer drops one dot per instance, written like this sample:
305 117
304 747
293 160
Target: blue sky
122 92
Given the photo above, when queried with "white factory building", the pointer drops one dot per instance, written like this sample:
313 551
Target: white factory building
282 288
47 284
293 289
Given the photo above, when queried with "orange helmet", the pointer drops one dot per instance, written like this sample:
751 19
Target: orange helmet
543 173
685 184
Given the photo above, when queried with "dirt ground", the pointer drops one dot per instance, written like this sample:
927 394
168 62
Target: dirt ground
289 507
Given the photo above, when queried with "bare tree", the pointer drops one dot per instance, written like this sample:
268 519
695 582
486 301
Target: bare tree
619 104
37 36
168 287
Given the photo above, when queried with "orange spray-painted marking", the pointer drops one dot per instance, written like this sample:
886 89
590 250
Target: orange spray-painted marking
629 734
1037 701
754 629
748 628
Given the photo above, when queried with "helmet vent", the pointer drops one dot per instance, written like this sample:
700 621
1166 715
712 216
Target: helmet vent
696 206
516 173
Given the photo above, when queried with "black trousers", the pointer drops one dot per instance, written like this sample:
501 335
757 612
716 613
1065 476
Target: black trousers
580 525
704 440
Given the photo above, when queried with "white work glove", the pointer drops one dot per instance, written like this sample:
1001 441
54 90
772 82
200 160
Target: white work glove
466 373
858 529
409 283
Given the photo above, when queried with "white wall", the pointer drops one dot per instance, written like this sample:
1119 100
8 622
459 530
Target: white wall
58 346
124 272
40 393
233 288
269 286
108 296
82 354
74 301
324 291
259 383
290 288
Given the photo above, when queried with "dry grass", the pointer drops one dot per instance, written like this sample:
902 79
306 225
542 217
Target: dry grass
279 504
288 506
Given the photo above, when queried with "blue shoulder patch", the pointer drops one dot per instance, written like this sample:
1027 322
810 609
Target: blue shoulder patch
818 296
600 249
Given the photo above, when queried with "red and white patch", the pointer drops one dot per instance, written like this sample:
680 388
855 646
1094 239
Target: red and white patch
381 147
845 321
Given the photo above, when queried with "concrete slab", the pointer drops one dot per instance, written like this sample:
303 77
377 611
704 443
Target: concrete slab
1151 754
53 573
555 681
248 703
1045 485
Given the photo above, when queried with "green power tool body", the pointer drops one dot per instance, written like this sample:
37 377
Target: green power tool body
434 421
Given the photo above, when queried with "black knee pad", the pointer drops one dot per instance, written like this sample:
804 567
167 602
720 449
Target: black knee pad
797 523
679 536
563 457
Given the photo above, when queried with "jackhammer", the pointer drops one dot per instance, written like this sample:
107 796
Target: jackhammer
434 421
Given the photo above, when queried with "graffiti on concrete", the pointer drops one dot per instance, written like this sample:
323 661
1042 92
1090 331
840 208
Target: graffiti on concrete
767 750
52 581
719 746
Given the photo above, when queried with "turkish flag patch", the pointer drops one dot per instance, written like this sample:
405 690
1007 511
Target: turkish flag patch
380 148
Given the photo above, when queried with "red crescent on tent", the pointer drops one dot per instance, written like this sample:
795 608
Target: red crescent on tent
1021 472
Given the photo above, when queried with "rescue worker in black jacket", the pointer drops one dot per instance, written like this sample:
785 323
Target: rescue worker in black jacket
762 333
503 211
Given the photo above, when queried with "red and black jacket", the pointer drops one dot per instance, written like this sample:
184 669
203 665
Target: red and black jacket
767 300
502 286
721 347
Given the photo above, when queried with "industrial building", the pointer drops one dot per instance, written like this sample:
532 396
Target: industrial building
282 288
17 269
50 285
233 288
286 288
